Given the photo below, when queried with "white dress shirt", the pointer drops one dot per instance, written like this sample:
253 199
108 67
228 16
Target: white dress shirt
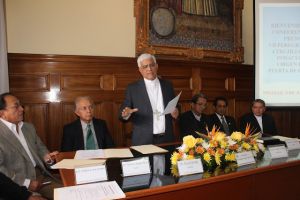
156 99
198 117
22 140
259 120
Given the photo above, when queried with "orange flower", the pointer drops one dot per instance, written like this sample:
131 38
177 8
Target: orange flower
213 143
220 151
234 147
211 151
191 152
200 150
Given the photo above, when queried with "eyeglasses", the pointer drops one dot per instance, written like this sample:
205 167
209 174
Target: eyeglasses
14 107
151 65
84 108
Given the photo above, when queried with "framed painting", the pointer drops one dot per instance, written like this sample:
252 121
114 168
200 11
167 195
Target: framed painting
208 30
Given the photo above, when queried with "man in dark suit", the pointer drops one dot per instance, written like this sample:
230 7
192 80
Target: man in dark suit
86 132
12 191
194 120
144 103
225 123
258 120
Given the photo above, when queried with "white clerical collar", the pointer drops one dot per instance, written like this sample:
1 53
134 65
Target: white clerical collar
11 126
151 82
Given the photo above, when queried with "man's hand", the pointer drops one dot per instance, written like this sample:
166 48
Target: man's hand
126 112
175 113
36 197
34 185
50 157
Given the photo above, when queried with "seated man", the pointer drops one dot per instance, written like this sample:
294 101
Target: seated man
12 191
86 132
194 120
225 124
22 153
258 120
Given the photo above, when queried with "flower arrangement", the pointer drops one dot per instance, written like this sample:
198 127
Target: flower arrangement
216 149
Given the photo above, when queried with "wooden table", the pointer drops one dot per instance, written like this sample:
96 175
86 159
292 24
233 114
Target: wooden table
265 181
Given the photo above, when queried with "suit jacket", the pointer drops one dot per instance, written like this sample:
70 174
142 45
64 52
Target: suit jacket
11 190
269 127
188 124
73 136
137 97
14 161
214 120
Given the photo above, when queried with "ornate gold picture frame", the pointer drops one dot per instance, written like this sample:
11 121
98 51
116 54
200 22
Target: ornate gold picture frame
209 30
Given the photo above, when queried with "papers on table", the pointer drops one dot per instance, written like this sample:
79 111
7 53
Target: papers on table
103 153
94 191
171 105
148 149
72 163
282 138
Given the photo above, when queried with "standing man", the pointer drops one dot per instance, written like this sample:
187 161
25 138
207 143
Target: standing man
194 119
144 103
225 123
86 132
258 120
22 153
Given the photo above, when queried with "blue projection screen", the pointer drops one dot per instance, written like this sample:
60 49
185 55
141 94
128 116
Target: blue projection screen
277 52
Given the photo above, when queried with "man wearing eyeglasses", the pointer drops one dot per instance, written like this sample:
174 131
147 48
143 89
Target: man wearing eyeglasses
87 132
194 119
145 101
22 153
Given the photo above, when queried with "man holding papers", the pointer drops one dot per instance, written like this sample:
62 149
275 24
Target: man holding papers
87 132
145 102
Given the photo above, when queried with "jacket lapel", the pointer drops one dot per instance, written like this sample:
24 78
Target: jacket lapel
144 95
79 134
12 140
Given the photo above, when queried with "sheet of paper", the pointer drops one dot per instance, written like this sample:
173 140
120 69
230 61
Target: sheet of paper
148 149
72 163
118 153
89 154
94 191
171 105
90 174
282 138
103 153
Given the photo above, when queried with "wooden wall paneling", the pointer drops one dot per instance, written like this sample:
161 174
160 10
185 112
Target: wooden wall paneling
48 85
38 115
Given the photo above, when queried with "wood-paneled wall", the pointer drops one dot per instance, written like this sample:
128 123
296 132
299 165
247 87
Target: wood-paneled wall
48 84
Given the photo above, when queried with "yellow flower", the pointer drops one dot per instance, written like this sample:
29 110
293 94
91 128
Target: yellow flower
218 158
220 136
230 157
213 143
237 136
246 146
223 144
199 140
174 170
255 147
174 158
190 157
207 157
189 141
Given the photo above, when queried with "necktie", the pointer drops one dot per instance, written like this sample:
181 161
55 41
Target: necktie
90 142
225 125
